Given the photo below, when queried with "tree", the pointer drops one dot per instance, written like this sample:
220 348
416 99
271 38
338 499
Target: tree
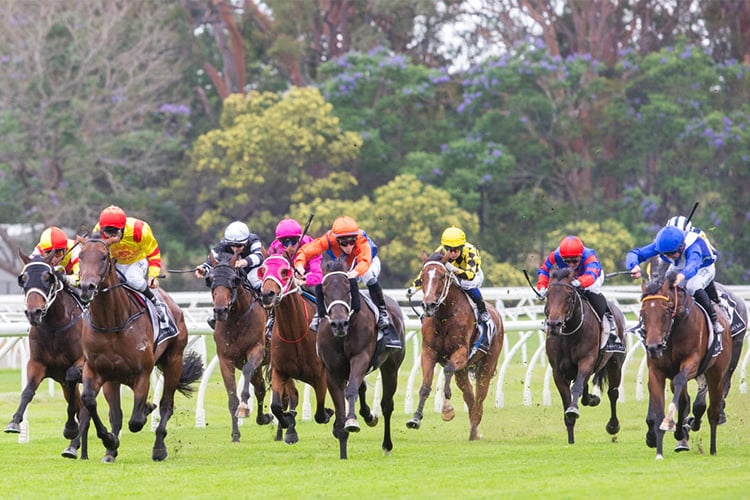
91 106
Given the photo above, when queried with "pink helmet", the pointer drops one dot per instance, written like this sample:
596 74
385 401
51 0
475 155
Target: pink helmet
288 228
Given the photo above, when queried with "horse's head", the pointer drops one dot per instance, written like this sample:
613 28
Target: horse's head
337 295
562 300
435 280
277 274
659 308
225 281
95 265
40 285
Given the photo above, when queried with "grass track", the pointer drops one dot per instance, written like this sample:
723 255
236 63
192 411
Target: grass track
523 454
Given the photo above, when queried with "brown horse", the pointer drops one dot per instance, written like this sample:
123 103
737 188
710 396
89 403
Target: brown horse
348 345
449 330
119 347
677 345
240 340
574 350
293 353
54 344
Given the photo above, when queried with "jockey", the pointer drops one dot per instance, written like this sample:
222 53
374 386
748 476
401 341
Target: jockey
691 255
65 258
346 239
588 277
136 253
238 240
465 262
287 242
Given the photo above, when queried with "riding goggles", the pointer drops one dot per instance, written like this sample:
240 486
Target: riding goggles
452 249
572 260
347 241
111 231
287 242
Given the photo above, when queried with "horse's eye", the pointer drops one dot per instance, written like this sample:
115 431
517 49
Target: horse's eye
21 280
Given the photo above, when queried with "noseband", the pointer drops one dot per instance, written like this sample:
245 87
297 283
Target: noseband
345 304
49 295
571 300
670 305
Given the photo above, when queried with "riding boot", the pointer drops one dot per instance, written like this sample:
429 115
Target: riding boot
599 303
712 293
269 323
320 306
390 336
701 297
354 292
160 310
484 320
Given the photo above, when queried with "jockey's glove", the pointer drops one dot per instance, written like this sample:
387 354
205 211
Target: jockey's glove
543 292
410 292
575 283
240 263
72 279
450 267
353 274
200 271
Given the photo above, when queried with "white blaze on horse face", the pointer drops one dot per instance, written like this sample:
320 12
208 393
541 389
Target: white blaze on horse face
430 278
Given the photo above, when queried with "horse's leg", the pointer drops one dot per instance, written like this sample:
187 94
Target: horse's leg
364 409
230 386
389 378
172 370
699 406
681 433
580 386
249 370
456 363
73 397
141 406
428 361
563 387
259 389
715 380
112 395
475 414
614 377
358 365
336 390
679 384
91 386
656 382
322 414
286 419
35 373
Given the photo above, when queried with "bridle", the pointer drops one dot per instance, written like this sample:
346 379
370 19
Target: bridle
48 295
232 274
347 305
671 307
571 299
288 287
446 285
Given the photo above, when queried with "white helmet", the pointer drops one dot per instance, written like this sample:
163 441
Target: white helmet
680 222
237 232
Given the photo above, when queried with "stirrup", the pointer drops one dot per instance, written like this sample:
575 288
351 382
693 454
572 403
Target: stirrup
718 328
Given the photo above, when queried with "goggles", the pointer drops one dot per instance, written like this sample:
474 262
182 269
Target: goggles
346 241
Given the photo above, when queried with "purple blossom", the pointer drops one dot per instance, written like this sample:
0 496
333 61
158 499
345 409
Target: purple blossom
175 109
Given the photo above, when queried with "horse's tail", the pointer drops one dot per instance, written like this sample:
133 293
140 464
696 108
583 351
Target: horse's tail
192 371
600 377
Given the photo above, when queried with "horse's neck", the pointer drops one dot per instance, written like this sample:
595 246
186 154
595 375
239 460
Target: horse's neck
454 298
293 315
64 308
111 305
244 300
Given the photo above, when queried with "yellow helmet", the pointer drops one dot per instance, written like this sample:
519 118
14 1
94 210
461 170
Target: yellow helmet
453 237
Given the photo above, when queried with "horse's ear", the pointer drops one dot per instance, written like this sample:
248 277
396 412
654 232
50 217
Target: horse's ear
24 258
212 259
444 257
264 252
424 256
261 271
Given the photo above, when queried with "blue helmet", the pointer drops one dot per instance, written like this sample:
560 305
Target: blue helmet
669 239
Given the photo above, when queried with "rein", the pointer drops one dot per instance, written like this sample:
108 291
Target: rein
577 298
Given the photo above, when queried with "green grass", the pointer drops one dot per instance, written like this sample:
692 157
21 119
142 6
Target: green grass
523 454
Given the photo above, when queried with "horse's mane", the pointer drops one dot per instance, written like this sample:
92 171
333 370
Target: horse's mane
654 286
436 257
560 273
331 264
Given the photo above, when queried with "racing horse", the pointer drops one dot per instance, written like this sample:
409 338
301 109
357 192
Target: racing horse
293 353
449 330
55 350
574 350
735 309
119 340
677 347
348 345
240 340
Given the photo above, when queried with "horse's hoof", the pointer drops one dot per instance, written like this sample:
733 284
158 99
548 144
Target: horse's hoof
413 423
448 414
159 454
351 425
242 411
594 400
13 428
264 419
650 441
722 418
373 421
70 431
572 412
291 438
108 459
659 456
667 426
613 428
70 452
682 445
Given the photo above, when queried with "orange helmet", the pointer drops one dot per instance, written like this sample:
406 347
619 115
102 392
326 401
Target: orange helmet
112 216
571 246
53 238
345 226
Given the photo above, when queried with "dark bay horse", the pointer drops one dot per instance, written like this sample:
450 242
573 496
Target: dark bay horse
348 346
293 353
677 347
54 344
119 347
574 350
240 340
449 330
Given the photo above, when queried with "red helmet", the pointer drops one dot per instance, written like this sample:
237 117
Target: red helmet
571 246
53 238
345 226
112 216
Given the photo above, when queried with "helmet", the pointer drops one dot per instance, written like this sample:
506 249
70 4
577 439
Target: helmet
112 216
669 239
453 237
345 226
288 228
237 232
680 222
53 238
571 246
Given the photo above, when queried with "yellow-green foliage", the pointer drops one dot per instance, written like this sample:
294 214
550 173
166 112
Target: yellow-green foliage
267 145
